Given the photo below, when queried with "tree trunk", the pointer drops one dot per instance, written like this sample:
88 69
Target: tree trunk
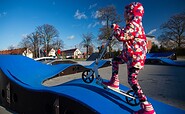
87 51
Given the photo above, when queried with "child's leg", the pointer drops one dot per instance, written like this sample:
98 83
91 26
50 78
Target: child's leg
133 81
146 107
115 66
114 81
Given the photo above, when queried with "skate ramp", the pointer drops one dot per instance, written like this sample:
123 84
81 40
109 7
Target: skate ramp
109 102
101 63
22 91
163 61
26 71
33 73
170 55
93 57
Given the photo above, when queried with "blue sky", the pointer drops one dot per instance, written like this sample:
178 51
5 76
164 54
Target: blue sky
72 18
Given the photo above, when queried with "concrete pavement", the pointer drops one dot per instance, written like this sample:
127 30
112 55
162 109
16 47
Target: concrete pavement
162 83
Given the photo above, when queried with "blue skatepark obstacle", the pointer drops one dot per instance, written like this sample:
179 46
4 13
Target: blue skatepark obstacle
170 55
22 91
162 59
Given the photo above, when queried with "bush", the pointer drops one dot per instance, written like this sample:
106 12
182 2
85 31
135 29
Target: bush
180 51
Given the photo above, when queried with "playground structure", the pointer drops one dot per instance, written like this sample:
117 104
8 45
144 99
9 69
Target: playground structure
167 58
169 55
22 91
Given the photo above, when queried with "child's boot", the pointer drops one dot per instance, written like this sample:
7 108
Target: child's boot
146 108
114 82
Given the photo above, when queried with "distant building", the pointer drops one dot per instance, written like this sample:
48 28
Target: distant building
52 53
19 51
149 42
91 50
72 53
27 53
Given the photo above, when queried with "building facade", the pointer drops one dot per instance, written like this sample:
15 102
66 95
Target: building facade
72 53
150 39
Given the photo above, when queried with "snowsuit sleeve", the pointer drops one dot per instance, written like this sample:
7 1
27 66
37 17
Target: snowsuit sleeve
124 34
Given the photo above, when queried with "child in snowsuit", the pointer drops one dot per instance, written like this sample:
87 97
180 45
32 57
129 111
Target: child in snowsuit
133 53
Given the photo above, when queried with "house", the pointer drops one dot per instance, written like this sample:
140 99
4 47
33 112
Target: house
72 53
27 53
150 39
52 53
19 51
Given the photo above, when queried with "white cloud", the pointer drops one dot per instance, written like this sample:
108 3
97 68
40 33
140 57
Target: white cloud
96 14
89 26
95 24
24 35
103 23
152 31
92 6
71 37
80 15
92 25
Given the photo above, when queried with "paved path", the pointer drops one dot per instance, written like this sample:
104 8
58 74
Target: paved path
163 83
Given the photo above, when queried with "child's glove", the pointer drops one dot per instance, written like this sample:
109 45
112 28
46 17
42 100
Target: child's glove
115 26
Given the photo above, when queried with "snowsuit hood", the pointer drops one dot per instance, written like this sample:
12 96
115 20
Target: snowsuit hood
134 11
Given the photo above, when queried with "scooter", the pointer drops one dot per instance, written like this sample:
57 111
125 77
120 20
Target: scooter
88 77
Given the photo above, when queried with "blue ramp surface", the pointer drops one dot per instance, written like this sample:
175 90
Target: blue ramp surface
101 63
29 72
161 55
26 71
163 61
24 76
108 102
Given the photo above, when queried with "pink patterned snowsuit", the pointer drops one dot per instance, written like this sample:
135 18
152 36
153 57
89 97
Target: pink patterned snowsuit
134 47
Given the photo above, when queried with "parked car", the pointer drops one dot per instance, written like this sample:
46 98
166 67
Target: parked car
45 59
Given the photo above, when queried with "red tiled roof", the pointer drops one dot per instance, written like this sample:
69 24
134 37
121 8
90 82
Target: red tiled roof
13 51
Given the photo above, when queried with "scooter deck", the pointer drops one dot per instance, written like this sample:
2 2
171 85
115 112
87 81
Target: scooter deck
122 92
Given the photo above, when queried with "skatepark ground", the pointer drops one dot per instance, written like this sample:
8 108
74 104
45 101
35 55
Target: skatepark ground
162 83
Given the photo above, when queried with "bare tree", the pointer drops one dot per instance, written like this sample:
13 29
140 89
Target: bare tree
33 41
11 47
87 41
45 36
25 43
47 33
108 15
57 43
174 31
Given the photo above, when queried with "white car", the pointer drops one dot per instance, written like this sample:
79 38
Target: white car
45 59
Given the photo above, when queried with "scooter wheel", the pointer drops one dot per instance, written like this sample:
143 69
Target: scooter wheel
86 78
131 101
